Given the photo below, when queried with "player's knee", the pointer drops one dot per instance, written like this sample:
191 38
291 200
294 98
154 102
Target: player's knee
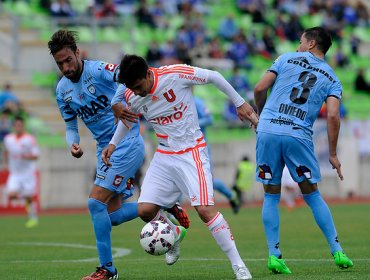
206 213
146 211
95 206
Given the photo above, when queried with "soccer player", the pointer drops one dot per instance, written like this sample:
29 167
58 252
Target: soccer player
181 164
20 154
300 82
85 91
205 119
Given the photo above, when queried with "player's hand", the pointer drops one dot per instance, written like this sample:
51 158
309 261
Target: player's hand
246 113
124 114
335 163
106 154
76 150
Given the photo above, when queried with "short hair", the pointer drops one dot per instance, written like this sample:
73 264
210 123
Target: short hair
61 39
131 69
321 36
19 118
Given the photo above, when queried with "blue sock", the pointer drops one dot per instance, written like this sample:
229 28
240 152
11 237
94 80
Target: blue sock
127 212
220 186
271 222
102 227
323 218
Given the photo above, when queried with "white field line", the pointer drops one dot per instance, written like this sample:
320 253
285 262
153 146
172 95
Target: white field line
121 252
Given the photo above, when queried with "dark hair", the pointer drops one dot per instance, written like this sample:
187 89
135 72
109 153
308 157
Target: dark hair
19 118
61 39
321 36
131 69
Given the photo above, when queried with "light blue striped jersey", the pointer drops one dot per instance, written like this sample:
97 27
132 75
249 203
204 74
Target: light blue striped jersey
302 85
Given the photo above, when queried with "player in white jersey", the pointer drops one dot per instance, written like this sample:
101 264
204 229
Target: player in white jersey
181 164
20 155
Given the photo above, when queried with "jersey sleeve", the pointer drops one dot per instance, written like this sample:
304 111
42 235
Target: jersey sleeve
119 95
276 66
336 89
105 71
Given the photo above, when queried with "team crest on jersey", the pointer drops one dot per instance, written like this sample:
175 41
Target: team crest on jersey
111 67
91 89
117 180
265 172
303 171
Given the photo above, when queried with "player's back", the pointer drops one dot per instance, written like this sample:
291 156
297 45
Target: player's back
303 83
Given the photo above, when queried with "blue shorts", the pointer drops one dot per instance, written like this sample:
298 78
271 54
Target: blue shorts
275 151
126 160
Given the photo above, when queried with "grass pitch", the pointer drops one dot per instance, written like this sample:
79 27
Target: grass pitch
63 247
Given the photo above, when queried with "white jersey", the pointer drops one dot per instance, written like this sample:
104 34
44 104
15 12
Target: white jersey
16 148
170 106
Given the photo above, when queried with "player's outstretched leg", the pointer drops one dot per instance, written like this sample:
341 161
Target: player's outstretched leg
101 274
342 260
180 214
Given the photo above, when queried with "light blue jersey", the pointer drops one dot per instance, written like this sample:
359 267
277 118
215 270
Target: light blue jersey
90 100
302 85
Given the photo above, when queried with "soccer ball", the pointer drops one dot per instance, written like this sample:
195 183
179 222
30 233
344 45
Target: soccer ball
157 238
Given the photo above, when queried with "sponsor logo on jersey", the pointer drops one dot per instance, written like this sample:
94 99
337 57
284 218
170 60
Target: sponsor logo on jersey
309 67
100 103
100 176
192 78
177 115
264 172
117 180
88 80
66 92
110 67
91 89
68 99
145 109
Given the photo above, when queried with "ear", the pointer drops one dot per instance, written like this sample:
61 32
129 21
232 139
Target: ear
311 44
78 52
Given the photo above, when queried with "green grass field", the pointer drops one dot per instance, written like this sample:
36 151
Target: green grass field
63 247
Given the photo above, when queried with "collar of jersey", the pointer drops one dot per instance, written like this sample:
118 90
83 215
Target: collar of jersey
155 77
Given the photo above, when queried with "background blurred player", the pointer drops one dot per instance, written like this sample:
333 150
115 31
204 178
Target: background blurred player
301 82
181 163
85 91
244 177
290 189
20 155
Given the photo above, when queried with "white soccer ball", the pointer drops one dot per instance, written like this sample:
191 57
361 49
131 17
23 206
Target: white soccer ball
157 238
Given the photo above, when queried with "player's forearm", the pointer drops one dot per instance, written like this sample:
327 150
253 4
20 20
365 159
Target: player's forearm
220 82
119 134
260 97
72 135
333 124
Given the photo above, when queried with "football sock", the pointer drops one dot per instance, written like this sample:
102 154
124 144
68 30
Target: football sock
270 218
222 234
323 218
102 227
31 210
161 216
127 212
220 186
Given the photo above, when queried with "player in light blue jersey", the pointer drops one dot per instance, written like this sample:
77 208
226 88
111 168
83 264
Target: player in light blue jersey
300 83
205 119
85 91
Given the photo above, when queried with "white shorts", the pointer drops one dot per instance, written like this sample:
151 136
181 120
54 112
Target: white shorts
170 174
23 185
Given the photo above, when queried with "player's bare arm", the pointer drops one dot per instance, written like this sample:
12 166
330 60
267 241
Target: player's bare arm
261 88
121 112
107 153
333 122
246 112
76 150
